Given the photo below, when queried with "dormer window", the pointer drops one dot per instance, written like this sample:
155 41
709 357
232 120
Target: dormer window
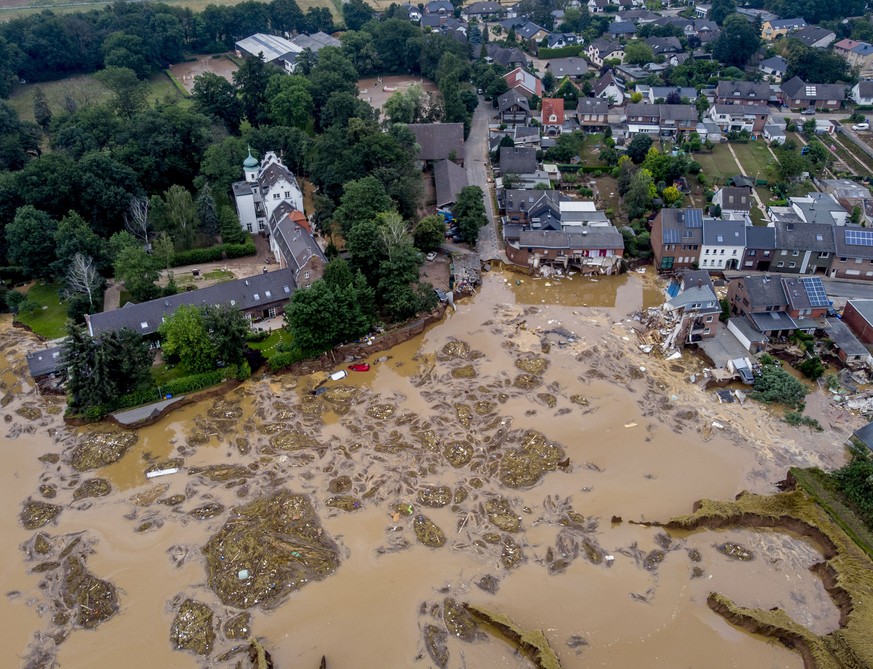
257 297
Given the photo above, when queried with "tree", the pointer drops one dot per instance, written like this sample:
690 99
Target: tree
138 270
671 195
639 147
721 9
429 233
136 218
30 239
812 368
207 212
164 250
184 335
122 49
362 200
408 106
791 164
285 16
41 112
175 213
638 53
251 81
82 277
356 13
824 67
469 211
129 94
229 226
290 101
227 329
75 237
738 41
638 198
393 231
774 384
216 97
20 140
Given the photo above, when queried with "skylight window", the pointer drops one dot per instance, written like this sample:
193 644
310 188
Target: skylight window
257 297
144 325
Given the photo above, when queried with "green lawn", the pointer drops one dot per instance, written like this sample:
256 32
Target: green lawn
268 346
755 159
85 91
719 165
216 276
164 373
49 317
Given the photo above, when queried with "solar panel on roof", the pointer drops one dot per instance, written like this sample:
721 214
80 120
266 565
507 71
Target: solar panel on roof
815 290
859 237
671 236
693 218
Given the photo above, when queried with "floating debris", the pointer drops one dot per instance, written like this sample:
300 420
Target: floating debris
36 514
344 503
735 551
459 622
535 366
91 600
532 643
500 513
435 496
435 641
92 488
99 449
427 532
207 511
193 628
522 468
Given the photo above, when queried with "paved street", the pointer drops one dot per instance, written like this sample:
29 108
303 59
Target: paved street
476 162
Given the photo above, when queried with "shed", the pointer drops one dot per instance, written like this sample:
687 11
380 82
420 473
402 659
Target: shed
849 349
44 362
865 435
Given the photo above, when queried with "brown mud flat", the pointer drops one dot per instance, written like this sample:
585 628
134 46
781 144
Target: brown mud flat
847 575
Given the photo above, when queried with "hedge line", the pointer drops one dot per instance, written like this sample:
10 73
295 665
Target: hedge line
563 52
185 384
586 169
284 359
214 253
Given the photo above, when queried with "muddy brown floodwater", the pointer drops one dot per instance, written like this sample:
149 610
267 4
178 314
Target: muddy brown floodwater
486 461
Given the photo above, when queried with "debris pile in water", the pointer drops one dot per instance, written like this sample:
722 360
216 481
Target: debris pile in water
99 449
36 514
735 551
532 643
193 628
268 549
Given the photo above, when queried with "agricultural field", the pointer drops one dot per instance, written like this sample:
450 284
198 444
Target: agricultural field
185 73
11 9
85 91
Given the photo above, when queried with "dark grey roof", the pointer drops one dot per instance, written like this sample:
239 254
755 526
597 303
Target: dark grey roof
865 89
606 237
864 309
264 290
518 160
661 45
592 106
764 291
449 179
573 67
681 226
795 292
484 8
528 30
315 41
622 28
788 23
605 47
296 244
805 237
761 238
865 435
241 188
735 199
512 231
797 89
743 90
510 98
724 233
696 277
769 321
438 141
605 81
812 34
663 112
505 56
44 361
518 199
776 63
853 241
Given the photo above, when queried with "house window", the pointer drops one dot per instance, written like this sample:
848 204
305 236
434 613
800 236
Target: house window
795 253
824 254
751 254
792 264
305 275
766 254
267 293
707 331
257 297
780 264
858 261
722 251
709 319
287 193
843 259
784 253
276 196
233 303
749 263
249 227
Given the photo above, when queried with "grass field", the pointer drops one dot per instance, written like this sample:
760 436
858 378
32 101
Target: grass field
268 346
49 316
11 9
755 159
86 91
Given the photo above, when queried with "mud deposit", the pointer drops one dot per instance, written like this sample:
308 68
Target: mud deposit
493 461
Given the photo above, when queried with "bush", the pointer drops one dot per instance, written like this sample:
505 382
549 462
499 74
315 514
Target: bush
214 253
255 336
564 52
285 358
812 368
775 385
798 419
186 384
244 371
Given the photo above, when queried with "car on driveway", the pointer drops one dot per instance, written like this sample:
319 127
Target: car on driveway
431 256
861 126
808 112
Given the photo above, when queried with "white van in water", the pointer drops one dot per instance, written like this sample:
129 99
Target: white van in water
336 376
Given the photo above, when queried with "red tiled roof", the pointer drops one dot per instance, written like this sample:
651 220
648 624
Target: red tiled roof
553 107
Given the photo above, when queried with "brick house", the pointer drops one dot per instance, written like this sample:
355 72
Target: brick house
858 315
797 94
760 247
552 119
853 253
677 235
742 93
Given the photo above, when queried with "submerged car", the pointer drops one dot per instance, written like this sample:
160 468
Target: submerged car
360 367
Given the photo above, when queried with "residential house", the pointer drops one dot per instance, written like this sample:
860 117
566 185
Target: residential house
862 93
439 8
524 82
483 11
639 16
552 119
562 40
702 10
517 160
662 120
803 248
774 133
774 68
268 183
704 29
632 73
597 249
771 30
664 45
449 178
760 247
439 141
661 94
531 31
742 92
45 362
573 67
513 108
619 28
677 235
592 114
858 315
597 6
849 194
723 244
259 296
610 88
853 255
819 208
408 11
797 94
517 204
859 54
753 15
779 307
295 249
578 214
696 308
865 435
815 37
735 118
850 351
601 50
733 201
507 57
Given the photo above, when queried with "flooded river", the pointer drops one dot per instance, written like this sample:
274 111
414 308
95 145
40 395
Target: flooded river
517 438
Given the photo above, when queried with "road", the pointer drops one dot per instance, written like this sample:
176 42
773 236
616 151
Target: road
476 163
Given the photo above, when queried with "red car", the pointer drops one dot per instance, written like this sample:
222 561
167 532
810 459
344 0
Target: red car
360 367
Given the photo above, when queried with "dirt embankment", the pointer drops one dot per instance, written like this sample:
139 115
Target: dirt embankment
847 575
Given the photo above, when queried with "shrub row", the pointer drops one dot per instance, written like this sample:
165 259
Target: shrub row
185 384
563 52
284 359
214 253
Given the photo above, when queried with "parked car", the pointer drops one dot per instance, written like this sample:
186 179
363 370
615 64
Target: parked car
808 112
861 126
430 257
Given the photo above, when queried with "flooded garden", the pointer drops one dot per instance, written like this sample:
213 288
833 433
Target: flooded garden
493 493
